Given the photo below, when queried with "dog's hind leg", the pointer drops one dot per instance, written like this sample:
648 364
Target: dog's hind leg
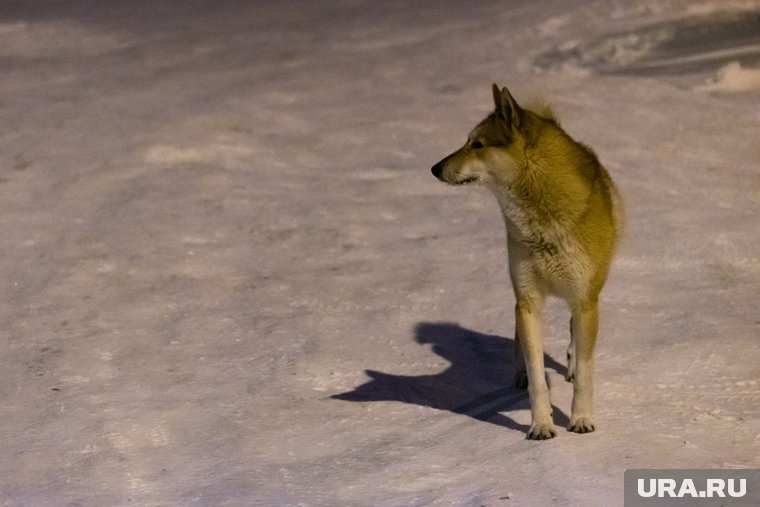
571 355
527 312
585 324
521 374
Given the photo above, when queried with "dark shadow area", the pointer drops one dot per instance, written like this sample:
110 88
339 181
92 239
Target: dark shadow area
143 17
478 383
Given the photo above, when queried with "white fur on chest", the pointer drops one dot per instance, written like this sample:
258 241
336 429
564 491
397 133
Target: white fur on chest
544 253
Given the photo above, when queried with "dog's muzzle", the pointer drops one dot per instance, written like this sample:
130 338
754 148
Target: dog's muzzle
437 171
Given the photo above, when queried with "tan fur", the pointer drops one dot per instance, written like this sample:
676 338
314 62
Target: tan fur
563 217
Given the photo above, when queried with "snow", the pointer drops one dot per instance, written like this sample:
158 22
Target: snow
733 77
230 278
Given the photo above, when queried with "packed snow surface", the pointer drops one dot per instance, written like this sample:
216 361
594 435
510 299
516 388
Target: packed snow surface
230 278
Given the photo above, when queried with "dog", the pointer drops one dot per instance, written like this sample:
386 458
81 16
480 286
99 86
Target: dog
563 217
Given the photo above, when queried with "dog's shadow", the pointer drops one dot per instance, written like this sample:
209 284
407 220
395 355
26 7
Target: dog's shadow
478 383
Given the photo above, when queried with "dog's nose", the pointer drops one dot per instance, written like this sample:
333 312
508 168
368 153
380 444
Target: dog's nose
437 170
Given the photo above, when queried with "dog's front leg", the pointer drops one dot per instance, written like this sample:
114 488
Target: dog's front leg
585 324
528 318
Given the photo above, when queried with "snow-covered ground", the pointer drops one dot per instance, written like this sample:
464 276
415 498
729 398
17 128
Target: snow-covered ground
230 279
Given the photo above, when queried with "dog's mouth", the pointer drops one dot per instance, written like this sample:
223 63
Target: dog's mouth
465 181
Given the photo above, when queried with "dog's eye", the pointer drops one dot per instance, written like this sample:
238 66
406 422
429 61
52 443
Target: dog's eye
476 144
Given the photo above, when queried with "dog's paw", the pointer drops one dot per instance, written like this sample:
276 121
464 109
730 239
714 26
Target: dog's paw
581 425
542 431
521 379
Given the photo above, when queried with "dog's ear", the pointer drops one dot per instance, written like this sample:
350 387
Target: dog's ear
496 97
507 108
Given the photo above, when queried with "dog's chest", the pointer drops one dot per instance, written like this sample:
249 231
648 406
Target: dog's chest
552 258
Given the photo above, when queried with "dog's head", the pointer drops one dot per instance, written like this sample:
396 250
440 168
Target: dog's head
495 149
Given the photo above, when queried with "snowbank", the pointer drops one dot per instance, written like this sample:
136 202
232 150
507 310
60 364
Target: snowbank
733 77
